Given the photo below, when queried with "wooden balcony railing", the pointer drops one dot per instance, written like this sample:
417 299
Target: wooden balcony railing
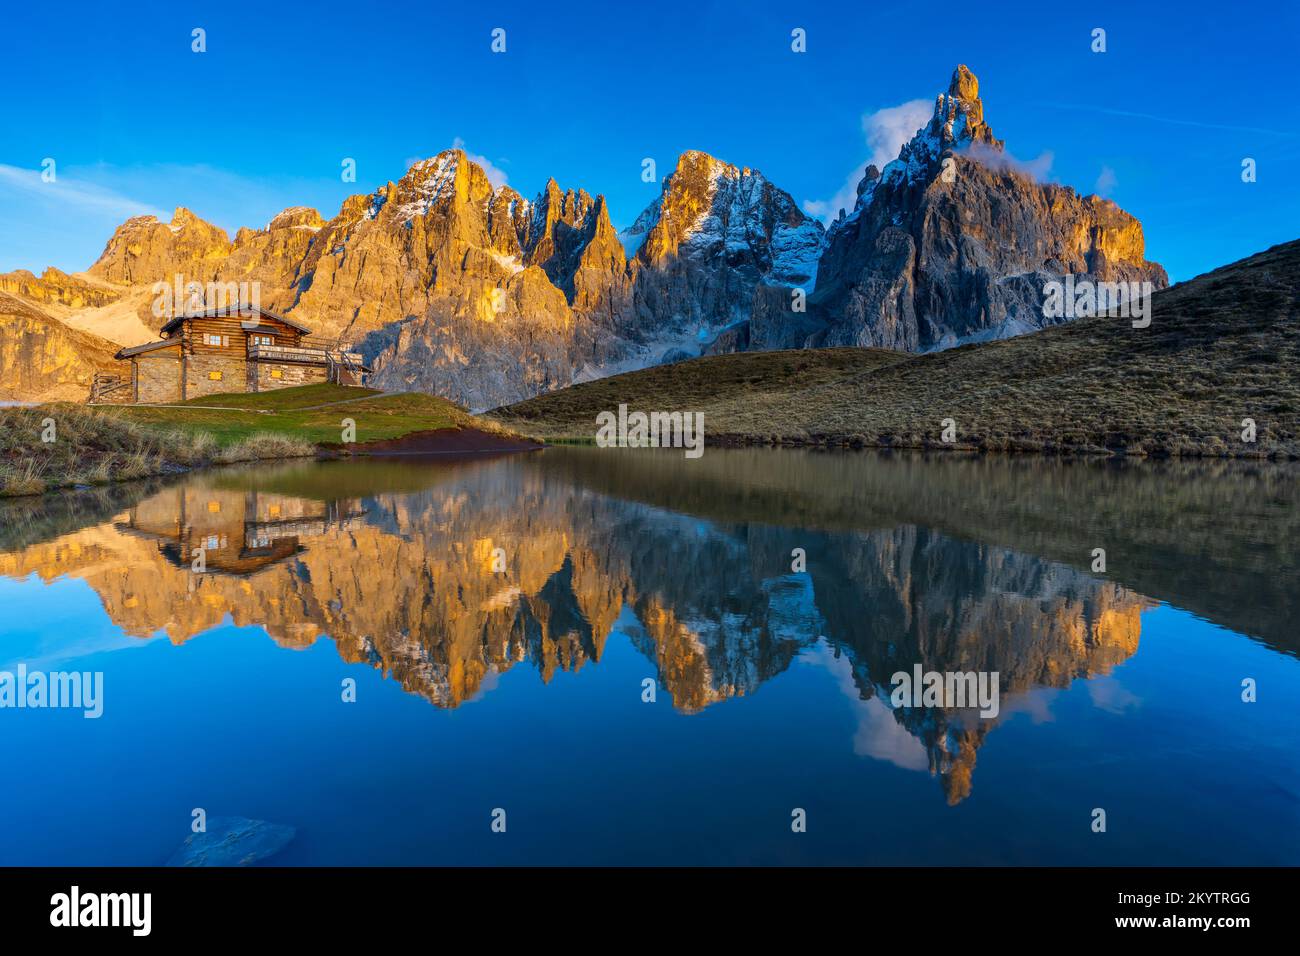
283 353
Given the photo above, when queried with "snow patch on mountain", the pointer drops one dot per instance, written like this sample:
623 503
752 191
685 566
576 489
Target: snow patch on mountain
427 189
511 263
634 235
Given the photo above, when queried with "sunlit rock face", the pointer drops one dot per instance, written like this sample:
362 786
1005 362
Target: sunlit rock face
144 250
273 256
57 288
451 285
447 283
955 240
493 566
42 359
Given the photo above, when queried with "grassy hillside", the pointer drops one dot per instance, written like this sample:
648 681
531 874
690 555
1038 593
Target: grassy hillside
311 413
716 385
1220 348
117 442
280 399
89 446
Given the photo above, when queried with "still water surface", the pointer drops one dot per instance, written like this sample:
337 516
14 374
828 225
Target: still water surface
500 618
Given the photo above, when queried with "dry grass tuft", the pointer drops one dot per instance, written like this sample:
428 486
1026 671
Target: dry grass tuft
260 447
92 446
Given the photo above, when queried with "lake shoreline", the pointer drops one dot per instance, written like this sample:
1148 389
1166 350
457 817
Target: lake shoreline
265 449
1013 448
45 448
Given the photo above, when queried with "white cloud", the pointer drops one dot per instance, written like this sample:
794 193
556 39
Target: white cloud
495 175
79 195
1110 695
885 132
1001 160
889 129
878 734
1105 184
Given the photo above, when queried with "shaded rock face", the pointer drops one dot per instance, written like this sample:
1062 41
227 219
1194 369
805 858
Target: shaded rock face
952 242
715 236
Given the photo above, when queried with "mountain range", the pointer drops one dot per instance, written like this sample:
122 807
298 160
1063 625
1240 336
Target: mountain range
451 285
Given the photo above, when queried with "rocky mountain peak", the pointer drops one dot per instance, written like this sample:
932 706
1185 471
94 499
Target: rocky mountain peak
588 263
296 217
958 119
182 217
945 246
449 178
956 124
555 210
143 249
698 160
509 219
715 236
702 201
964 84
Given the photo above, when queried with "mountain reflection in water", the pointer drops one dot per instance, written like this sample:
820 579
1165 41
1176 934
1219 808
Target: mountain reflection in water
399 565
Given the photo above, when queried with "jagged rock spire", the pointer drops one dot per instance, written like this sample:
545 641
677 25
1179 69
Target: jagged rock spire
950 243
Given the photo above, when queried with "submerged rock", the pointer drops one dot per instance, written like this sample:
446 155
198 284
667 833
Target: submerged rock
233 841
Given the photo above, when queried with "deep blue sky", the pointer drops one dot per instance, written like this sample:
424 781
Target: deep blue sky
137 122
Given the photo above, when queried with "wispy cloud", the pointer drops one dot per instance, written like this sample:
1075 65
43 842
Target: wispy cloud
1037 168
73 194
1105 184
885 132
496 176
1110 695
66 222
1172 120
879 735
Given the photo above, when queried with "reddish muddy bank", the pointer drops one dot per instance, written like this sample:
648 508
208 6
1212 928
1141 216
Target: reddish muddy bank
445 441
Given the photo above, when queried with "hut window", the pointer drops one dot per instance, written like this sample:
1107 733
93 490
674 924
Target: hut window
276 373
263 339
214 376
210 338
